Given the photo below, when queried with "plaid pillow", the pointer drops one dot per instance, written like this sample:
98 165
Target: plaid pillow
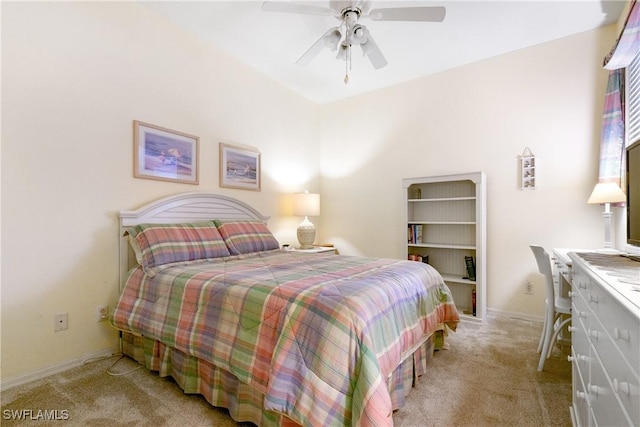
158 245
244 237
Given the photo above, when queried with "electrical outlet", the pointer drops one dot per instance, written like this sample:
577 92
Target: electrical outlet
528 288
102 313
60 322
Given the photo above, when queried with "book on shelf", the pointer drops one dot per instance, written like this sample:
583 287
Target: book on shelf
473 302
414 233
419 258
471 267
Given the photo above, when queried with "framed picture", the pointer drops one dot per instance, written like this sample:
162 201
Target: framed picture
239 167
164 154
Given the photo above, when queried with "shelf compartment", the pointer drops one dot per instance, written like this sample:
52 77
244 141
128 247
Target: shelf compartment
441 246
434 190
443 211
442 199
463 297
443 222
457 279
450 263
462 234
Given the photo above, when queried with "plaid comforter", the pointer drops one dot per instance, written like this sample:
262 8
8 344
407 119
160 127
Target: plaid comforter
317 334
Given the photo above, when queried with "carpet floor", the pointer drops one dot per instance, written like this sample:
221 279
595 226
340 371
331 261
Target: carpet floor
487 377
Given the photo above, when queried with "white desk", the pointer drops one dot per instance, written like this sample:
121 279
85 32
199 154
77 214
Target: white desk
563 272
562 263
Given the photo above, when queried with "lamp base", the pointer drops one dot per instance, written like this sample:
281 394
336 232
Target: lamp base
306 234
607 227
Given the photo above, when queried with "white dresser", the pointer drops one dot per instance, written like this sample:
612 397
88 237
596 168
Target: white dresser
605 334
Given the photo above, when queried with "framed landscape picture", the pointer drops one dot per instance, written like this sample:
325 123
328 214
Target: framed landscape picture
239 167
164 154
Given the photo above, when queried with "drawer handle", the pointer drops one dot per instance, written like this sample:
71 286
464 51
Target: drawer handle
572 294
572 328
579 358
582 285
621 334
593 334
593 389
593 298
582 314
621 386
574 309
581 395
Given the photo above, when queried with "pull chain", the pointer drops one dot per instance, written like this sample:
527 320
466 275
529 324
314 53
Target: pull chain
347 64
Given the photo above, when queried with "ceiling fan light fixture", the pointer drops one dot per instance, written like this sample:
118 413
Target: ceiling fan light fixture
331 40
350 32
351 9
350 18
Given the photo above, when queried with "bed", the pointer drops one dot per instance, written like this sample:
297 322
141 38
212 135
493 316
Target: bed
277 337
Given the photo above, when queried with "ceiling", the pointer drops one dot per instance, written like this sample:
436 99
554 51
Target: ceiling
474 30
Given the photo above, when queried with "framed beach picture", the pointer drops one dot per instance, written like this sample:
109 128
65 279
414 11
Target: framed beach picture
164 154
239 167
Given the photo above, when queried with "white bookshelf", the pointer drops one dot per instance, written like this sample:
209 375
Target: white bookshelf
448 213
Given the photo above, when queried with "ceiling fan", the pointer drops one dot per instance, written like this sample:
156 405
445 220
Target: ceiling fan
350 32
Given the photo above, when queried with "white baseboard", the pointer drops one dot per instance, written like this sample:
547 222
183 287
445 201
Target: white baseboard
8 383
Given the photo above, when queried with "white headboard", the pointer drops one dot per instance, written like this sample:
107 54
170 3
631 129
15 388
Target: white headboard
183 207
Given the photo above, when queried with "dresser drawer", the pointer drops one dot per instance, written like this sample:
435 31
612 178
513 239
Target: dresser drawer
606 409
580 282
579 328
580 369
622 379
620 325
579 308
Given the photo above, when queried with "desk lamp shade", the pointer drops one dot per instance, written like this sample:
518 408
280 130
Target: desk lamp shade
306 204
607 193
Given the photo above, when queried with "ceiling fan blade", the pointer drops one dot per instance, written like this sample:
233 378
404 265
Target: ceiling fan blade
296 7
329 39
420 14
373 52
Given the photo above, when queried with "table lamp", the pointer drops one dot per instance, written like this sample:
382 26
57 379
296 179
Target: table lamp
607 193
306 204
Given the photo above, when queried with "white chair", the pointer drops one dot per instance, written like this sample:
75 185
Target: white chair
556 307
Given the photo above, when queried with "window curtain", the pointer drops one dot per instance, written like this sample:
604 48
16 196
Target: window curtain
624 51
612 136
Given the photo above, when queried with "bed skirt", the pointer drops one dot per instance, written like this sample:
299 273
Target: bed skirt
222 389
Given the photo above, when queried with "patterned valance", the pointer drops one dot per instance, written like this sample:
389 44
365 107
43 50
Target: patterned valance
628 44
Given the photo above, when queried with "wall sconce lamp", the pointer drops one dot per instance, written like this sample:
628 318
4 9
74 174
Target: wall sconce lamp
306 204
606 193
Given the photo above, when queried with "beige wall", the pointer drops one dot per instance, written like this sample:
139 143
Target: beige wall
75 75
477 117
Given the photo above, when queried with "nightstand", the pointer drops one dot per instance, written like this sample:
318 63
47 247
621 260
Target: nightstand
315 250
